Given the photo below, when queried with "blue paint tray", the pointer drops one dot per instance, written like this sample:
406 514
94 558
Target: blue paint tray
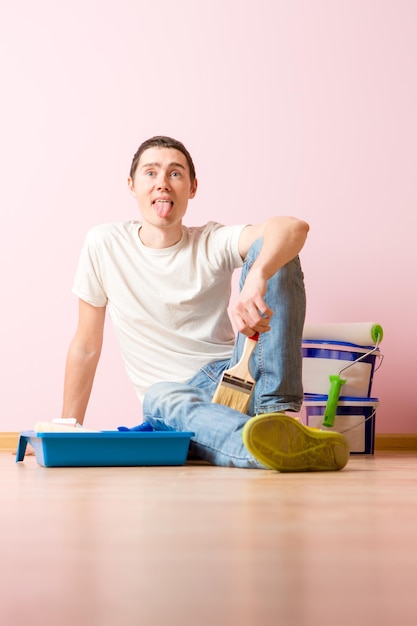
106 448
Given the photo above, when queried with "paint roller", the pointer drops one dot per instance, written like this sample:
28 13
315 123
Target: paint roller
359 334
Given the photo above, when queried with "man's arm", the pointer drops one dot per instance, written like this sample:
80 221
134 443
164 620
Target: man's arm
283 238
83 356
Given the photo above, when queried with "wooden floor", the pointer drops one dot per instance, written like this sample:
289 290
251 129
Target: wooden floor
207 545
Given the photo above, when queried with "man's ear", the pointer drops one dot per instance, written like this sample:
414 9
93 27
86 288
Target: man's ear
131 187
193 188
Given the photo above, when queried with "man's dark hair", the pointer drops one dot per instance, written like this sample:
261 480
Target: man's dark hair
162 142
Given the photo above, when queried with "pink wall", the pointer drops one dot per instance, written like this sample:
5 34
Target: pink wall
305 107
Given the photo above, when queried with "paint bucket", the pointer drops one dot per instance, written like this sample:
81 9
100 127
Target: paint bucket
322 359
354 418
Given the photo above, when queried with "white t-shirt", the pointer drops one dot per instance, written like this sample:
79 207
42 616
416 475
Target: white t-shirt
168 306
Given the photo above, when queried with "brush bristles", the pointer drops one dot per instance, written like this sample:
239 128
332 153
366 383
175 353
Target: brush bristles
229 396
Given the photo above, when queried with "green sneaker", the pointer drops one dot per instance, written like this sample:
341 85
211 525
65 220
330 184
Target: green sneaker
282 443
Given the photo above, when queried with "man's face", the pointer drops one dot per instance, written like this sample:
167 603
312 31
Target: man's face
162 186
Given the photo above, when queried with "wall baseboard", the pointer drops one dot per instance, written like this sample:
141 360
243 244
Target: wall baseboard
8 441
400 443
389 442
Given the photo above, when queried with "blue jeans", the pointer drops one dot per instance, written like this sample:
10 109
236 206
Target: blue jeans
276 365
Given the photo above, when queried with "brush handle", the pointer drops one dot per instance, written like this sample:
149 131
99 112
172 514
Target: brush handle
241 368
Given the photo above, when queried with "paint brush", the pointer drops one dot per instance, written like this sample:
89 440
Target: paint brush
237 384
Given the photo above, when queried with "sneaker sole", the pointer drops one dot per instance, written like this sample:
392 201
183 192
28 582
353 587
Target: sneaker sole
281 443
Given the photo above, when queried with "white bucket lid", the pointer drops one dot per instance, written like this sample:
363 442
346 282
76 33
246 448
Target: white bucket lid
321 400
339 346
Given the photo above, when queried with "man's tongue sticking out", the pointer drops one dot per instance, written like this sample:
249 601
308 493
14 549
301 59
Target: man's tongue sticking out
163 207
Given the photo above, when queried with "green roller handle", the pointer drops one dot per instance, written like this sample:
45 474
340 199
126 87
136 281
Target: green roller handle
336 383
